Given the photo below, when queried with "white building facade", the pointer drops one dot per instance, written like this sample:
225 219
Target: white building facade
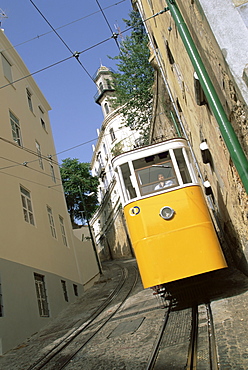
113 138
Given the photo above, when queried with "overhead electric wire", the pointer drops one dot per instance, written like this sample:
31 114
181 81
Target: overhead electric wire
48 158
84 143
40 70
54 64
25 164
76 146
114 34
17 164
75 54
31 181
41 156
64 25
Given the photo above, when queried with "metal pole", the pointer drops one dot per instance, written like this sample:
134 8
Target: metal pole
90 231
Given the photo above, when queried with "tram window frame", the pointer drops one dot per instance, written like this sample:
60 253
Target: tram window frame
126 176
154 161
191 165
183 165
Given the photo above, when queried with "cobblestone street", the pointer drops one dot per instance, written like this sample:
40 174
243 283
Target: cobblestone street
127 342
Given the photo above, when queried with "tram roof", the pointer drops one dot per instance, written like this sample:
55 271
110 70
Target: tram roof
148 150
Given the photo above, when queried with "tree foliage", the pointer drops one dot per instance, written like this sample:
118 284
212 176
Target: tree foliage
78 183
133 82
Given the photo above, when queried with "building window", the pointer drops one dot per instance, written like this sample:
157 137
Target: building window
105 149
41 295
112 134
39 154
109 84
29 97
51 222
110 171
52 173
64 290
178 105
62 228
27 206
99 158
75 288
43 123
101 87
16 131
169 54
199 93
106 107
7 68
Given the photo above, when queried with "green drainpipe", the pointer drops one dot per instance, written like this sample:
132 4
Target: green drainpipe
226 129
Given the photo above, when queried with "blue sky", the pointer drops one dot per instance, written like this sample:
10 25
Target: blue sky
67 87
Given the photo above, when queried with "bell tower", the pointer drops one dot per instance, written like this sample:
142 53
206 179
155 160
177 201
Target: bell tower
105 87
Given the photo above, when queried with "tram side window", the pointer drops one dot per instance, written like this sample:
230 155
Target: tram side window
130 191
155 173
182 166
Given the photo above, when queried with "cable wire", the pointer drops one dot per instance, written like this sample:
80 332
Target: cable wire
114 34
34 73
56 63
26 164
33 182
41 156
64 25
48 158
74 54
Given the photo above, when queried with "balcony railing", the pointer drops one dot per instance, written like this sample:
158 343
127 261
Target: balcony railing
104 88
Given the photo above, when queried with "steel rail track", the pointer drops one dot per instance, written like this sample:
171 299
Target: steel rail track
192 354
212 342
156 348
63 361
193 347
39 363
193 357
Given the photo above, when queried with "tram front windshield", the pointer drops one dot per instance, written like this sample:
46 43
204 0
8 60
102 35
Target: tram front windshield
155 173
158 172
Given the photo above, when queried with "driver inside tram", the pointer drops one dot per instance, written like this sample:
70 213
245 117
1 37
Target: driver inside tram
162 182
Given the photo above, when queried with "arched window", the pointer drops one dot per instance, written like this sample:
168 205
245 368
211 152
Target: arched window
112 134
106 107
105 149
101 87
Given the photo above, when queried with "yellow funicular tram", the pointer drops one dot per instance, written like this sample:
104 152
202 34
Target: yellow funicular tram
168 220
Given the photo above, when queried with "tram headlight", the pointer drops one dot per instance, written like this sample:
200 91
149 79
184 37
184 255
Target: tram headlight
167 213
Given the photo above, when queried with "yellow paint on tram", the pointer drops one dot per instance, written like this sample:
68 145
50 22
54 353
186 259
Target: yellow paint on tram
169 250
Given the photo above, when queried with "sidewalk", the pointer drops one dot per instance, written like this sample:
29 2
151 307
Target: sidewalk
122 344
140 304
